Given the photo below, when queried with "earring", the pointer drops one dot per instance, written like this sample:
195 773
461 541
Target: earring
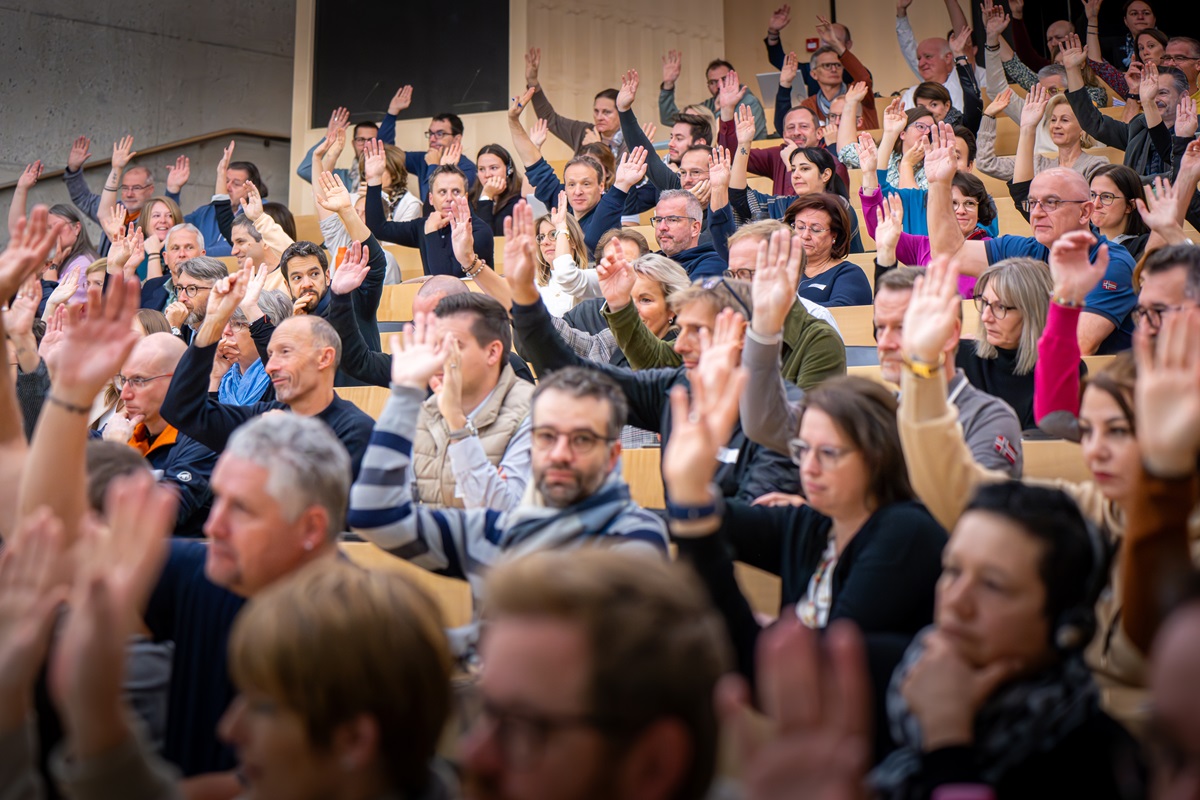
308 545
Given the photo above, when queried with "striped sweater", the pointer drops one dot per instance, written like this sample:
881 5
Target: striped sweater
465 543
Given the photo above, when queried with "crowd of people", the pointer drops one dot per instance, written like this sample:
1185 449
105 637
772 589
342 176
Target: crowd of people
179 476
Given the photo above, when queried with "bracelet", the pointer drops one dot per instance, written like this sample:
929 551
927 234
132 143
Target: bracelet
475 268
1066 303
991 49
682 513
111 188
74 409
154 255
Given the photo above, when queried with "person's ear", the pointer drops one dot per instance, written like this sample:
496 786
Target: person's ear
657 762
826 176
326 358
314 527
355 744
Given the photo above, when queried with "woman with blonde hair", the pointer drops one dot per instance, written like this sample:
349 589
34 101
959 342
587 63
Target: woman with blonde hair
1012 297
560 247
1043 117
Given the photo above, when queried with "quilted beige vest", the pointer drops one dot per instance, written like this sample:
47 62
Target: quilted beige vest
497 420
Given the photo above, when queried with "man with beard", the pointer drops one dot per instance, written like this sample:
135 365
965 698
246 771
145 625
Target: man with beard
301 360
577 496
194 281
182 242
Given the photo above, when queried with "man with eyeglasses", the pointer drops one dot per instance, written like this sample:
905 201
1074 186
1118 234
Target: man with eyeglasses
713 74
196 277
576 497
184 241
1058 204
798 127
829 64
1170 282
598 682
445 131
132 187
1183 53
363 132
678 222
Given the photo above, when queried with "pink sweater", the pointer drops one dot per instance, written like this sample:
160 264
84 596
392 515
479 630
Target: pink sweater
1056 374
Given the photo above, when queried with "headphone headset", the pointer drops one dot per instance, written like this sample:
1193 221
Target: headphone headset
509 171
1075 627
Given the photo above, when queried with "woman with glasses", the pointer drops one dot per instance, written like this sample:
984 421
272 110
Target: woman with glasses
1115 191
814 174
1012 297
860 548
826 278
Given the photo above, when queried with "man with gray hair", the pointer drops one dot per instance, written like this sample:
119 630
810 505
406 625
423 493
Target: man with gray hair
193 281
182 242
678 221
302 359
279 502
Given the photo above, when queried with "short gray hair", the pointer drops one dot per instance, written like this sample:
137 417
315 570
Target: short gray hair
186 226
275 304
204 268
242 221
306 464
1052 71
1026 284
695 211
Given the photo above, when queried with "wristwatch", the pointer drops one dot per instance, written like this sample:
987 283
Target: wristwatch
462 433
923 369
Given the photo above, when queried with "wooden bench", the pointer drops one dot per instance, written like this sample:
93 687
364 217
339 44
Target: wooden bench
642 469
1054 459
308 228
369 399
396 303
452 595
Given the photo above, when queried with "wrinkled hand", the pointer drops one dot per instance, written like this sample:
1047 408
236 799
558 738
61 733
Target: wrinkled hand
418 354
533 60
178 174
122 152
1168 394
933 312
81 149
1001 102
672 66
730 92
352 271
401 100
1074 273
780 262
29 175
629 88
631 170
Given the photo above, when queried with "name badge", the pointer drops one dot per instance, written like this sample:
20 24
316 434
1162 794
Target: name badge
727 456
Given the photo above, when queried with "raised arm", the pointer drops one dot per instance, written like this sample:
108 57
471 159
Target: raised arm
16 210
986 160
945 237
905 37
122 152
660 174
526 149
848 127
1031 117
741 157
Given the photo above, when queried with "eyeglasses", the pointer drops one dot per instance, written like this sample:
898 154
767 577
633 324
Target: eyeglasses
191 290
966 205
740 274
137 383
1151 316
438 134
1168 59
831 66
835 118
827 457
1049 205
713 283
523 735
923 127
999 310
1106 198
581 442
238 326
671 219
363 139
138 188
541 237
815 230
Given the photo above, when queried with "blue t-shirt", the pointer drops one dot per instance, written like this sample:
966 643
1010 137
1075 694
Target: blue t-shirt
843 285
1113 298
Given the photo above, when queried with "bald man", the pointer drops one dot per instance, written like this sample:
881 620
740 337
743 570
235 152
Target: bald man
303 357
1058 203
177 458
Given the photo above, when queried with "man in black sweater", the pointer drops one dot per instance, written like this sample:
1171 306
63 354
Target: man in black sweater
302 359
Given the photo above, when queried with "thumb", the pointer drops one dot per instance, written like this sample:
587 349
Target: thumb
988 679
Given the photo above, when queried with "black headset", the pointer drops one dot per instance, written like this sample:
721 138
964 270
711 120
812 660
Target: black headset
1076 626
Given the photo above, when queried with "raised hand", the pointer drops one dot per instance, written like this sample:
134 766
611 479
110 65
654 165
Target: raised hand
780 18
718 169
894 118
119 251
462 237
672 66
333 195
933 312
720 352
558 214
649 128
225 297
1148 89
1073 54
122 152
23 309
222 185
616 278
1035 106
30 566
374 162
996 20
252 205
941 161
352 271
1074 273
94 346
780 262
868 156
540 132
1001 102
137 252
1160 210
61 294
631 170
902 7
1168 394
744 120
1133 77
449 392
256 281
518 105
520 266
339 118
29 175
533 60
889 225
81 149
1185 118
28 245
113 223
817 692
730 92
418 354
56 327
451 154
791 66
856 93
178 174
830 35
401 100
1091 9
1017 7
1190 163
629 87
960 40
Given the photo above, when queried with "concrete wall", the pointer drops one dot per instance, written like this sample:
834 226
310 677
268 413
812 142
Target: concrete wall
162 71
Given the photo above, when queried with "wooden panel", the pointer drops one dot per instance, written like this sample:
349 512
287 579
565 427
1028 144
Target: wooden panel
1055 459
396 303
409 259
856 324
308 228
230 263
761 589
1007 132
369 399
1098 363
641 468
761 184
1011 220
867 262
647 231
871 372
452 595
